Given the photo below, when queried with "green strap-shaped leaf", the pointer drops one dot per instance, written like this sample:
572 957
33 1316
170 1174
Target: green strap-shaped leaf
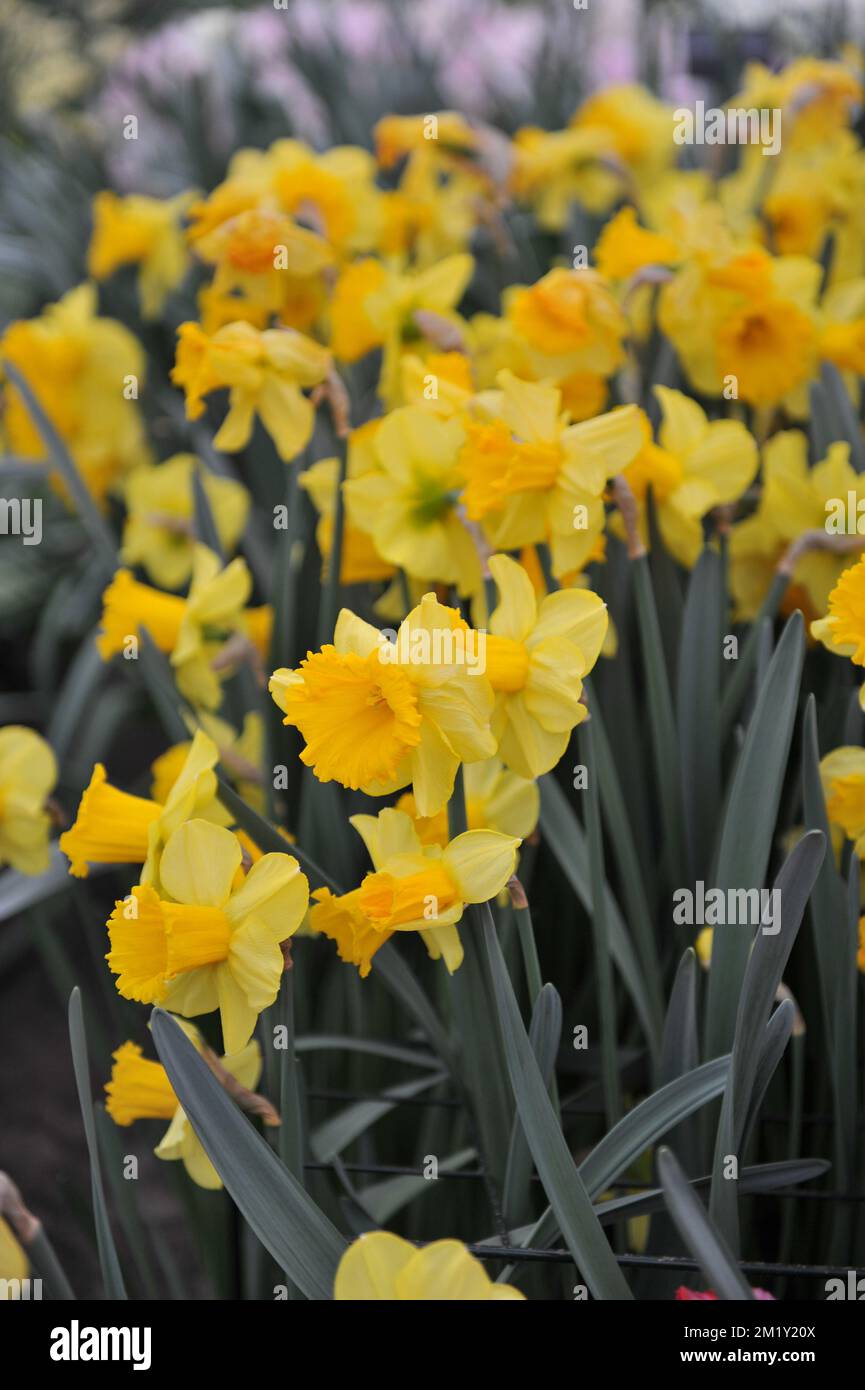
705 1243
557 1170
749 826
108 1261
287 1222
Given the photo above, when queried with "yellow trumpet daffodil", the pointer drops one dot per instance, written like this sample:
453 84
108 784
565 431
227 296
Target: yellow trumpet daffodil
385 1268
28 773
114 827
536 658
208 944
159 529
145 232
139 1089
697 464
530 476
408 503
194 630
264 372
413 887
87 374
377 716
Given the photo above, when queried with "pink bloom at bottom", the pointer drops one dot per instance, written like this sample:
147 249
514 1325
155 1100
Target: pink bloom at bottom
685 1295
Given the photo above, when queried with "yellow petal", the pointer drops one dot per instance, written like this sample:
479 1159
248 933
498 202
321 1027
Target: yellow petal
369 1268
481 862
199 863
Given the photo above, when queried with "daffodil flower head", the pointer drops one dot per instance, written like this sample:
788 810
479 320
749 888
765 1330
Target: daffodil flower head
697 464
843 629
380 1267
408 503
413 887
28 773
114 827
264 372
373 718
209 943
842 773
158 532
139 1089
141 231
531 476
537 655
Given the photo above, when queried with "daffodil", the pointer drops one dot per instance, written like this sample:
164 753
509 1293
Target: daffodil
532 477
376 306
795 499
264 373
14 1264
408 501
842 773
193 630
536 658
496 799
696 465
87 374
28 772
569 321
145 232
413 887
445 134
241 755
373 718
139 1089
380 1267
208 944
842 631
744 319
266 266
114 827
159 529
624 247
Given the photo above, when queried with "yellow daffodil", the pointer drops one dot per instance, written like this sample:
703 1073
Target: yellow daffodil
842 773
264 373
375 306
377 716
159 529
531 477
114 827
145 232
536 657
407 503
413 887
385 1268
842 631
569 322
87 374
496 799
443 133
624 247
28 773
194 630
14 1264
139 1089
744 321
696 465
795 499
266 266
208 945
